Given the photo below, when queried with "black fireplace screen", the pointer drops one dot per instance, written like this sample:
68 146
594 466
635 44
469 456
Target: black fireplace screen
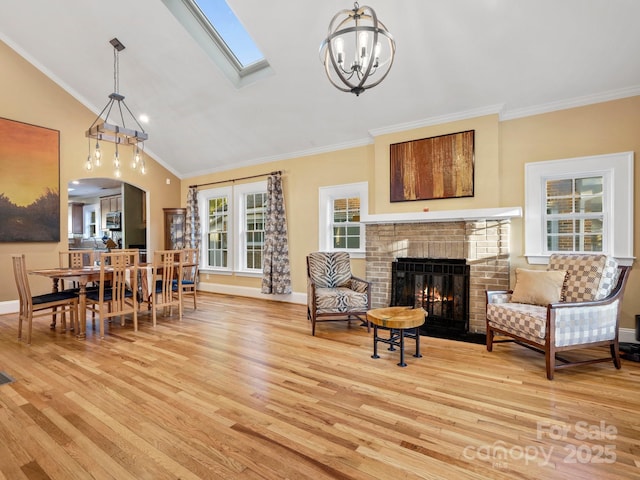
440 286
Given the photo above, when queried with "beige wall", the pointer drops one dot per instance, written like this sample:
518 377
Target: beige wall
502 149
26 95
302 177
592 130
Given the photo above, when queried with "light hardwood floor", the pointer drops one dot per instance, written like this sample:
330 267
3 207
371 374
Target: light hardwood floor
241 390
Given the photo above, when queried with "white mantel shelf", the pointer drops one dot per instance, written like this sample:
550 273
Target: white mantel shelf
444 216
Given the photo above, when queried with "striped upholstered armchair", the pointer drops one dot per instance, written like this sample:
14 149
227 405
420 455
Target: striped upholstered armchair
574 304
333 293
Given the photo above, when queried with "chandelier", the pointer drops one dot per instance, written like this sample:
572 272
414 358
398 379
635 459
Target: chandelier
103 130
358 51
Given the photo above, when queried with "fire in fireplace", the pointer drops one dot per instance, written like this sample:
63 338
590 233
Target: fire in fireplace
440 286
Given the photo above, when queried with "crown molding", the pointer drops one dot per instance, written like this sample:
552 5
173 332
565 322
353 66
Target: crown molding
570 103
438 120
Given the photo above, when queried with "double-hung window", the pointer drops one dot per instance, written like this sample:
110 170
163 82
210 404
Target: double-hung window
575 217
580 205
217 229
251 211
341 208
232 220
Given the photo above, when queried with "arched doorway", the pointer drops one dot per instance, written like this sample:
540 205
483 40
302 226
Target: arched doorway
103 209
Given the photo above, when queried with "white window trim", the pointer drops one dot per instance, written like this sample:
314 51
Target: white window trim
203 206
617 170
326 197
239 221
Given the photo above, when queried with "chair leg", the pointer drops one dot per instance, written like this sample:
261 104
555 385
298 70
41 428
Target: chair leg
29 329
550 360
489 339
54 318
75 320
615 355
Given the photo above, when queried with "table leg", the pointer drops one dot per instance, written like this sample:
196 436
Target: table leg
82 313
402 362
375 342
417 333
55 310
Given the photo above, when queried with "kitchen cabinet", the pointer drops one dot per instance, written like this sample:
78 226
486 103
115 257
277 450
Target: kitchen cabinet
77 220
174 226
112 203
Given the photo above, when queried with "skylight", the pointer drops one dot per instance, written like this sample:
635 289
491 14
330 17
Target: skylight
231 31
220 33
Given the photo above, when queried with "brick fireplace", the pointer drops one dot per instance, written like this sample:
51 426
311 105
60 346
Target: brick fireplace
483 242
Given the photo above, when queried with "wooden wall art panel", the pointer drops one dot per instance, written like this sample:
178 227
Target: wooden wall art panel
433 168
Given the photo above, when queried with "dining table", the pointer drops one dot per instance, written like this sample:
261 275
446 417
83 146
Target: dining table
91 273
83 276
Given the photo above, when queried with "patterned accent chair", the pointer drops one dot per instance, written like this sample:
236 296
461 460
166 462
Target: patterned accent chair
575 304
333 293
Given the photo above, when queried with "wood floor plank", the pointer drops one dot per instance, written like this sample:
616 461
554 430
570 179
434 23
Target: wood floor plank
239 389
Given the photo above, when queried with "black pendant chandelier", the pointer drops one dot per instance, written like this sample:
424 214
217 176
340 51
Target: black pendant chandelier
104 130
358 51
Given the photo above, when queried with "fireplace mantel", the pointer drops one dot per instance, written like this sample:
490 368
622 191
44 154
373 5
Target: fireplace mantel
444 216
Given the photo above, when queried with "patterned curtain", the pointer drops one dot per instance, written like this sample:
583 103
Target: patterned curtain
276 277
192 229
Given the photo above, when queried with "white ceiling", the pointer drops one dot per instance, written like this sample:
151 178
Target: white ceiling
455 58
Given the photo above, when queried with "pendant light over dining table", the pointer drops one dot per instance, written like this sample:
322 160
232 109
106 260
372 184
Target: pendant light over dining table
358 51
104 130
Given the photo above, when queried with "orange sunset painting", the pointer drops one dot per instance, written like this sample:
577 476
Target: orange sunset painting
29 183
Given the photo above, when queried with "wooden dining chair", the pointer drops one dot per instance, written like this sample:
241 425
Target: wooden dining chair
40 305
133 254
166 268
189 257
117 291
74 259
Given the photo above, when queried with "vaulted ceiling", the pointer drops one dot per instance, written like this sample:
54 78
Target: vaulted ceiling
455 58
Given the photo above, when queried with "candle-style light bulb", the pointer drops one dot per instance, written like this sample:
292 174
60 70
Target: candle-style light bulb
88 165
363 41
116 162
97 154
136 158
377 54
339 47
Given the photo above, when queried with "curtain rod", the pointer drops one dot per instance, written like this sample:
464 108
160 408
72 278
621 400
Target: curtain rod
276 172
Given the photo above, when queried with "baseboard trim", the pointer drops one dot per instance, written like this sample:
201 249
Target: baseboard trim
11 306
627 335
295 297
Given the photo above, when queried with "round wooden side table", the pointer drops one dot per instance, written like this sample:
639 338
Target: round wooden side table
402 322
